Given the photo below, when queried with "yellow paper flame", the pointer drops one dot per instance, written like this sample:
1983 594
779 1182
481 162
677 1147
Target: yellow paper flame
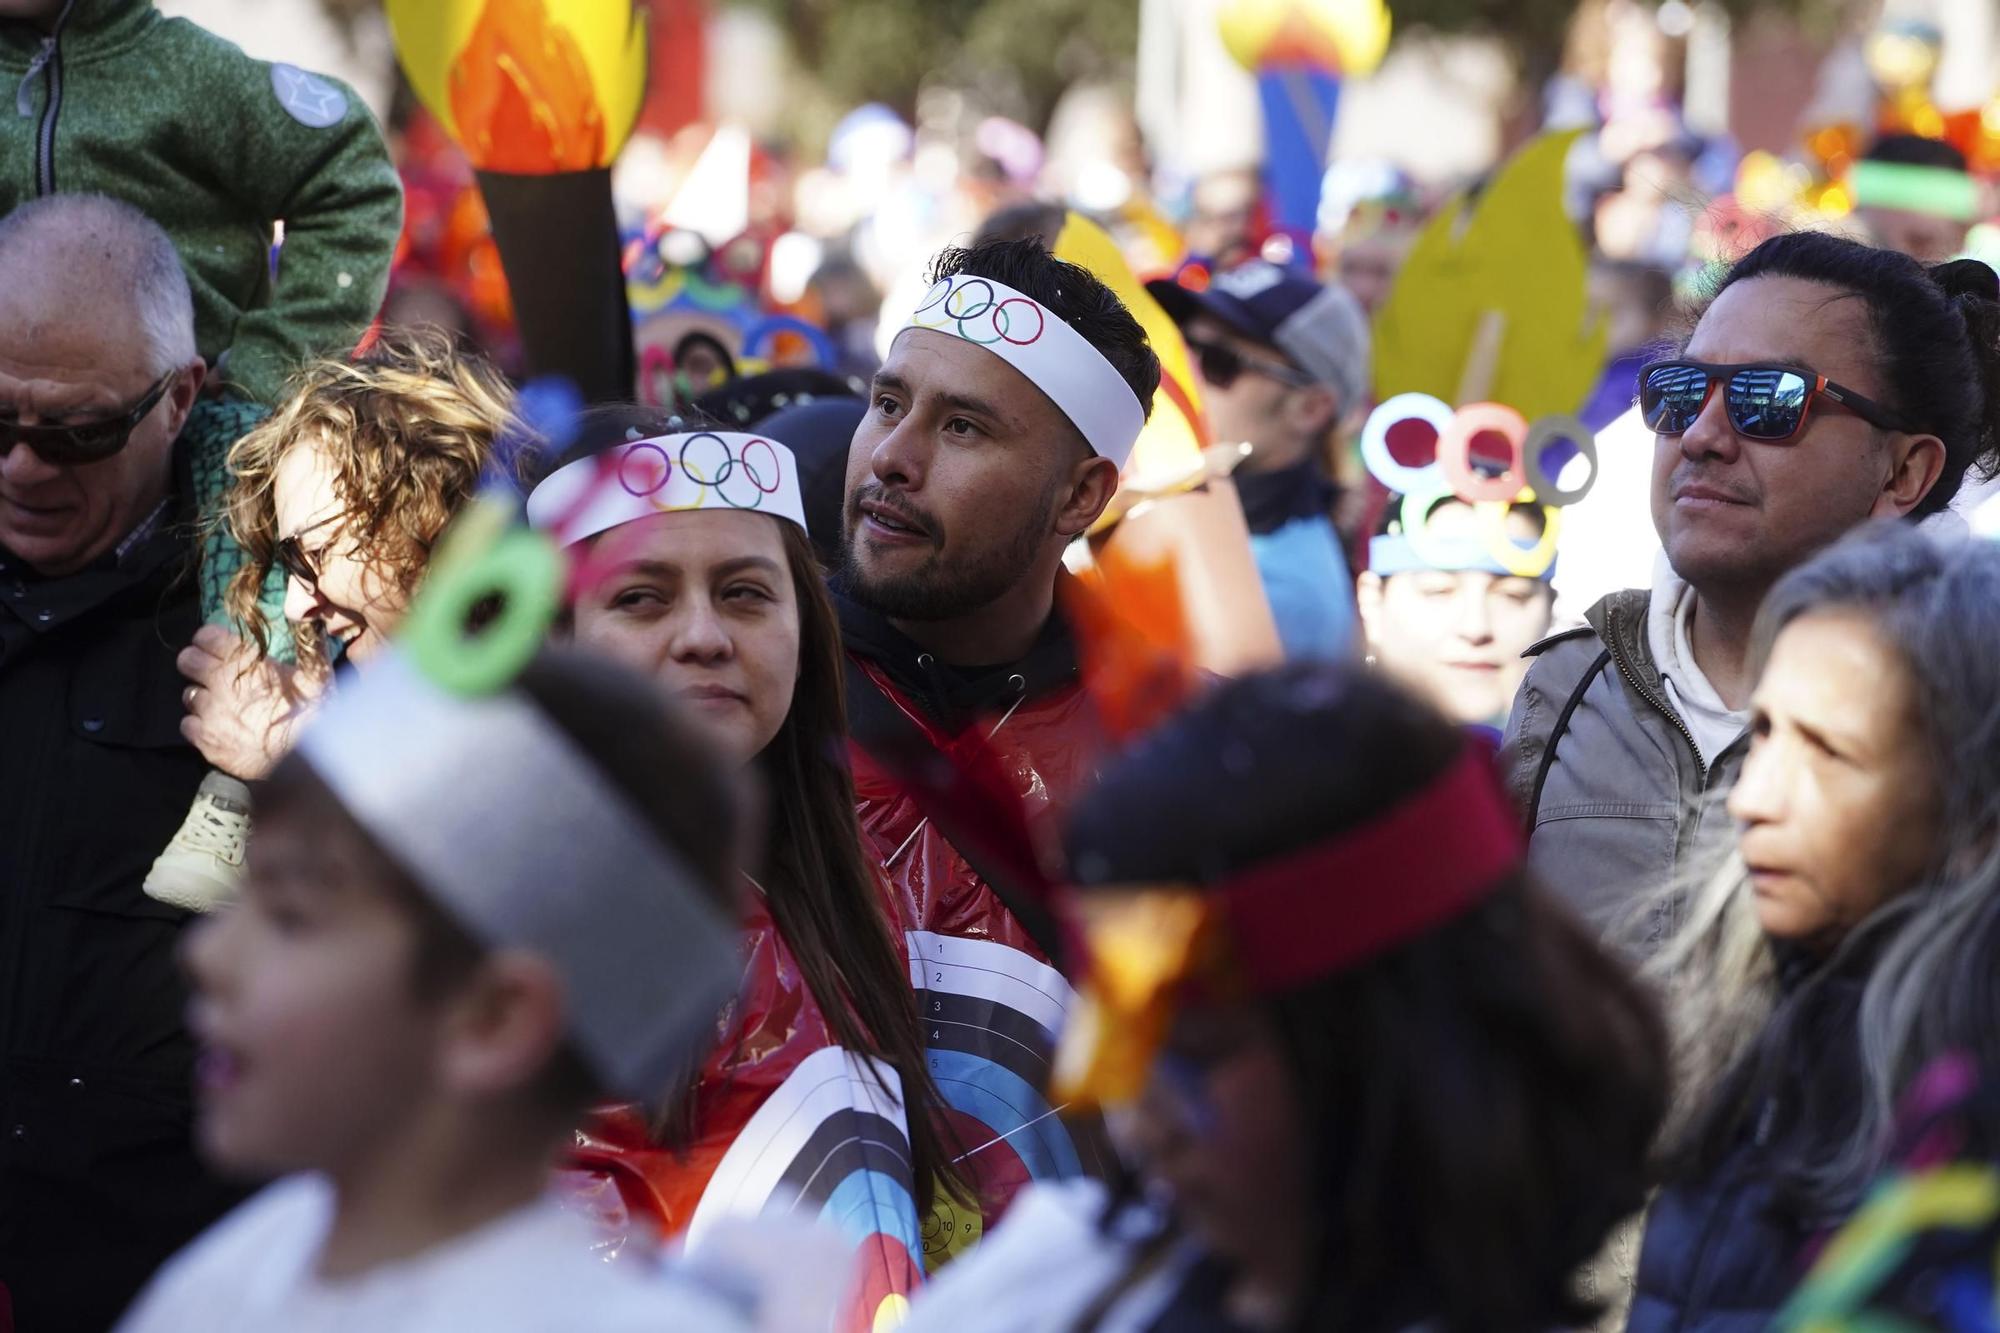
1514 271
1143 943
1170 446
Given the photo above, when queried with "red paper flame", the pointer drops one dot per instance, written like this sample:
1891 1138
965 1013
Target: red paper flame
522 96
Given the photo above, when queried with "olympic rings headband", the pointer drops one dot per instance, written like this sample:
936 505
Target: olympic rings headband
668 474
1411 545
511 830
1033 339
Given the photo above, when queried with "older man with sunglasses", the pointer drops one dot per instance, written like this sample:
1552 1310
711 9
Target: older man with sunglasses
1283 360
1826 385
98 383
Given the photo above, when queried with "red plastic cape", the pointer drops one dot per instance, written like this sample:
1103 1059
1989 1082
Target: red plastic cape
991 1003
822 1145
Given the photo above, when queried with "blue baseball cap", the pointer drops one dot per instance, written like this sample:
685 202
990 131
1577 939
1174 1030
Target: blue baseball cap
1319 329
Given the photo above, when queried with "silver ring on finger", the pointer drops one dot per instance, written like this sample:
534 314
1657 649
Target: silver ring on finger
187 697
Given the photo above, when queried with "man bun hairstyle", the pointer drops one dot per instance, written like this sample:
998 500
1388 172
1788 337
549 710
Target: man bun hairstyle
1072 293
1937 341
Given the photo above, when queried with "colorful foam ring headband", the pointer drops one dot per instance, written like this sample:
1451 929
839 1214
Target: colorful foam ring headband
486 605
1285 923
1451 474
761 336
512 830
1034 340
1909 187
667 474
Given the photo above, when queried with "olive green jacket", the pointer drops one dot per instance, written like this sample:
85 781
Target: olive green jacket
216 147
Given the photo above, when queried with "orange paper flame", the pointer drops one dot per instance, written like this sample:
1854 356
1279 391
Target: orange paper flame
522 97
1134 640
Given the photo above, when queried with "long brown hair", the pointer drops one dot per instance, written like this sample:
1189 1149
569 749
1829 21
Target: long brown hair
409 426
824 894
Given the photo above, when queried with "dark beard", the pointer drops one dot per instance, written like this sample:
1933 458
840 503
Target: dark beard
939 591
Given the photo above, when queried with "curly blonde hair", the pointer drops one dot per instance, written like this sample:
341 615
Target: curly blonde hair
408 427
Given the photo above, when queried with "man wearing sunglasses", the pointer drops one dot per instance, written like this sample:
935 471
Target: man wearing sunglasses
1780 426
98 378
1282 360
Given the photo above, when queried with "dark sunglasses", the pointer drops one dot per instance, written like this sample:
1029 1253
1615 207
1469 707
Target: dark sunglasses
75 443
1763 402
298 562
1222 366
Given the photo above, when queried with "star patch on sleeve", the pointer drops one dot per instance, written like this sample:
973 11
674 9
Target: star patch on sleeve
307 98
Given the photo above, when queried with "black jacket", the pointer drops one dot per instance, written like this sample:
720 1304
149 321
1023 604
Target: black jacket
952 696
98 1179
1723 1249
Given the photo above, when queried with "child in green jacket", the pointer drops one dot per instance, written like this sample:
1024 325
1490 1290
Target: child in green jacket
112 97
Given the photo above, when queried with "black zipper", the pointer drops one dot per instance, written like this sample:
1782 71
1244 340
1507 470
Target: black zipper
45 135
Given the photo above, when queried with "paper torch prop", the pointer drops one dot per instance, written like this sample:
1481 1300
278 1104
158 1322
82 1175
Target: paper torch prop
1173 549
541 96
1483 352
1300 51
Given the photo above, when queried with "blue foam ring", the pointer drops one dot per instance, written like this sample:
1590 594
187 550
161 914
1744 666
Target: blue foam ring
1544 432
1375 441
769 327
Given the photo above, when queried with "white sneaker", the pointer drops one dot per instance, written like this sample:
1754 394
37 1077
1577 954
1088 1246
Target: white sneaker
199 869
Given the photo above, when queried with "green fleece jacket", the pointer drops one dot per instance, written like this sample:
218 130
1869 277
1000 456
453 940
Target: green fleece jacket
216 147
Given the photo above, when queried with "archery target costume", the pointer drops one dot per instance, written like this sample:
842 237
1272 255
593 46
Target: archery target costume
783 1117
990 1003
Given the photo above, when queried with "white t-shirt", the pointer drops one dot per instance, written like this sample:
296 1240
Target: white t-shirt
533 1271
1045 1264
1668 617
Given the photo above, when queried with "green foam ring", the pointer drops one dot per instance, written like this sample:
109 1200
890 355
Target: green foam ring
484 555
1934 191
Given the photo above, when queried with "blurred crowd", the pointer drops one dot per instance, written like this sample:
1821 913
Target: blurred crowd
968 733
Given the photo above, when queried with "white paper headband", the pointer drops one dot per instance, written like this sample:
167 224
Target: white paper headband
1035 341
513 832
664 475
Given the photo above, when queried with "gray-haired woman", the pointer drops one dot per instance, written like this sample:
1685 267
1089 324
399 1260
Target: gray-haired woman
1854 936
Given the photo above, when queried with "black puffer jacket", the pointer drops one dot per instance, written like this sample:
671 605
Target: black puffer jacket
1722 1249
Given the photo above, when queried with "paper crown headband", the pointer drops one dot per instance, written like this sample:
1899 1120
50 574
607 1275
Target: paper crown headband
1286 922
1461 442
501 819
1035 341
512 831
668 474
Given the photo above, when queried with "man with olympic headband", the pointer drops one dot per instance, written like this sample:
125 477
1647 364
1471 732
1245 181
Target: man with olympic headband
994 437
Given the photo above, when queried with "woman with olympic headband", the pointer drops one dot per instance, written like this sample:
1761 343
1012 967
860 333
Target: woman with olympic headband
1849 944
1398 1088
695 568
1460 582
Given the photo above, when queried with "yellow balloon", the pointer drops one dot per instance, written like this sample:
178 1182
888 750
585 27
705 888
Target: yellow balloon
1347 36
